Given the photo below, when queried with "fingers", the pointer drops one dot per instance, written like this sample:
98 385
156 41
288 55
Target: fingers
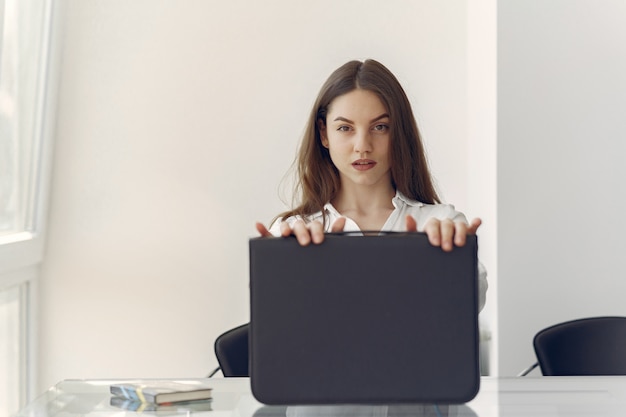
444 233
411 224
462 230
317 232
285 229
305 233
474 225
301 232
440 233
313 232
460 234
447 233
260 227
338 226
433 231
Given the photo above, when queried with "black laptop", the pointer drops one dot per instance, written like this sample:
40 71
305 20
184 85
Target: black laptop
363 320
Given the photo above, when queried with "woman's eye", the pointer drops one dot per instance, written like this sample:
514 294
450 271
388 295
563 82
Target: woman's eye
343 128
381 127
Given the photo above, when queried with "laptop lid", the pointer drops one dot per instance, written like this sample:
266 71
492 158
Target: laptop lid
363 319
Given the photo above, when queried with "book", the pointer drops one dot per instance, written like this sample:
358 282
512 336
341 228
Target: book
176 408
161 392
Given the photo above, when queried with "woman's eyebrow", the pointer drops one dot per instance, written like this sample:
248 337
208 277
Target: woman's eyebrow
382 116
375 119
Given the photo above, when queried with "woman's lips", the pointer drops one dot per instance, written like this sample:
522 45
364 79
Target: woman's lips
363 164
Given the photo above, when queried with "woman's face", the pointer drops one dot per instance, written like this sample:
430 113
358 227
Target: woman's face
358 137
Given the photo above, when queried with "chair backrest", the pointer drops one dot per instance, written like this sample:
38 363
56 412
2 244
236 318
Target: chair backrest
231 350
590 346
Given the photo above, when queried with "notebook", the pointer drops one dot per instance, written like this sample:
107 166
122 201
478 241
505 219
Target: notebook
363 320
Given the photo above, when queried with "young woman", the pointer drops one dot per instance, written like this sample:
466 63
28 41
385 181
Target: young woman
361 167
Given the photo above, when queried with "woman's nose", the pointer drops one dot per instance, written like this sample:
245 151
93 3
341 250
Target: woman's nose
363 142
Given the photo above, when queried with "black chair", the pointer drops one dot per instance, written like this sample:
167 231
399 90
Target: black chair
231 350
589 346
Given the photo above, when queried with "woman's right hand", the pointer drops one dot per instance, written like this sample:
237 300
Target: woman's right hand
305 233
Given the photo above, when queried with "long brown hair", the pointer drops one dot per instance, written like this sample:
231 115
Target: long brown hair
318 179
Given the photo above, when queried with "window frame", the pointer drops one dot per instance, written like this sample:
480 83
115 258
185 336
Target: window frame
21 253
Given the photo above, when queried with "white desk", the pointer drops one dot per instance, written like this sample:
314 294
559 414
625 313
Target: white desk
520 397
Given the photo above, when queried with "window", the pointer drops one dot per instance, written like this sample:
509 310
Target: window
24 158
12 336
19 94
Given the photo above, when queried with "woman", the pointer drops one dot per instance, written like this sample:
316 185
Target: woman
362 167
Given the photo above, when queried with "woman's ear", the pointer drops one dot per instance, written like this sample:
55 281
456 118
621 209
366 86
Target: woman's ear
321 126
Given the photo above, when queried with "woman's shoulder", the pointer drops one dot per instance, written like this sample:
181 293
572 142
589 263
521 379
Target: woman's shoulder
420 209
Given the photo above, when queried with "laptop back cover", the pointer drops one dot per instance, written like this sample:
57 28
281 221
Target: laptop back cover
363 319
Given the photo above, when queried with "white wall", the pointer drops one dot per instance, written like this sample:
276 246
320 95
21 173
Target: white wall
482 156
176 123
561 147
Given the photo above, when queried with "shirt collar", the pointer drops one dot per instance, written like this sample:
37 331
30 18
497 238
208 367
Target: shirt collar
400 200
330 209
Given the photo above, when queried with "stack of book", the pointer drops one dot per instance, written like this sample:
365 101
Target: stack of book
158 394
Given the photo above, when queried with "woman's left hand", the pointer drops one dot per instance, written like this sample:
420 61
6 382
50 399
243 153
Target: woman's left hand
445 233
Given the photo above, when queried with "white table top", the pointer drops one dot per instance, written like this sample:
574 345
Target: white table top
527 397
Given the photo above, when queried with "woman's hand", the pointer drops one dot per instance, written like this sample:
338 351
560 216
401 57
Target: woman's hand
445 233
305 233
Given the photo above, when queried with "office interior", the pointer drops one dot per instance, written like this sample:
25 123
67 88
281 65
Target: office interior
168 127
